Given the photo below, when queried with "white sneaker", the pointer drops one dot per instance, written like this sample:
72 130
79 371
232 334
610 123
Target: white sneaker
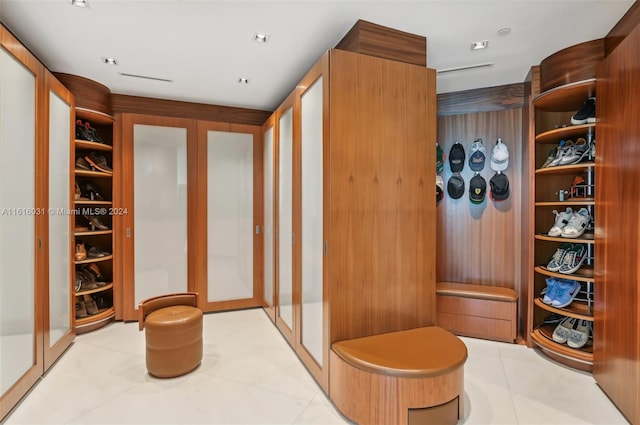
562 152
576 152
562 219
563 330
579 336
577 224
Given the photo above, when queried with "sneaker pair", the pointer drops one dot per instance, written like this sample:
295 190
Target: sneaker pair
574 332
563 149
570 224
568 258
586 114
575 153
86 132
560 292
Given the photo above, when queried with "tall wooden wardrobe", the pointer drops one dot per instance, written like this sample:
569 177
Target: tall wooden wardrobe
353 196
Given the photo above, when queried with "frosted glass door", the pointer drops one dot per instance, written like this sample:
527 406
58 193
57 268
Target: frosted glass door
285 218
229 216
268 217
160 210
17 220
59 231
312 219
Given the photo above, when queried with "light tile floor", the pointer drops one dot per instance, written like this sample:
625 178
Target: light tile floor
249 375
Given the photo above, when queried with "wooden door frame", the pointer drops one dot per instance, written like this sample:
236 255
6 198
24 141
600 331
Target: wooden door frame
269 306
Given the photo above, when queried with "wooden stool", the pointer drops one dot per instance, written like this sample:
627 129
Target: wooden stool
406 377
173 334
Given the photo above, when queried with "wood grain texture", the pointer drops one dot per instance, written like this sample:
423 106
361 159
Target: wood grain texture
199 111
89 94
480 243
625 25
617 317
269 304
118 221
575 63
369 398
486 99
376 40
382 206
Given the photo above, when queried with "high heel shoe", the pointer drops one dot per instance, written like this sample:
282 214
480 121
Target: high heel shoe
90 192
95 222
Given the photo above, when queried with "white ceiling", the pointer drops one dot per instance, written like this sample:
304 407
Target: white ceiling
204 46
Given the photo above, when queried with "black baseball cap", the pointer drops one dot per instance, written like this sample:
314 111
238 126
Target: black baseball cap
477 189
499 187
456 157
439 188
455 186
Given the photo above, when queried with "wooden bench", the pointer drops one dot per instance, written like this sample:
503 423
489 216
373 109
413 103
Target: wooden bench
414 376
480 311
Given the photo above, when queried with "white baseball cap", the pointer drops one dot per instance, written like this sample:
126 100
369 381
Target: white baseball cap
499 156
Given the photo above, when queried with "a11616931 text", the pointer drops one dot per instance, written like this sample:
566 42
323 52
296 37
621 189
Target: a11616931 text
80 211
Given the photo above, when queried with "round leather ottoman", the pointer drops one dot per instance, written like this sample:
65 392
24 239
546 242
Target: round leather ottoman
174 340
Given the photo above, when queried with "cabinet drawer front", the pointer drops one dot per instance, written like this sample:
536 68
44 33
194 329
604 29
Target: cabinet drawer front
476 307
480 327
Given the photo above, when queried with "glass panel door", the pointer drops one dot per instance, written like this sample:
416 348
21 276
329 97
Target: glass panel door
230 229
59 225
160 210
17 221
285 218
312 219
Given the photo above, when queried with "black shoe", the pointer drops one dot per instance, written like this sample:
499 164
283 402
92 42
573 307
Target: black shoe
95 252
553 319
81 164
95 222
81 131
586 114
90 192
98 162
91 133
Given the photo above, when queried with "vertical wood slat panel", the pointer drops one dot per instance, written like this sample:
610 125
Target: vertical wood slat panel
617 317
480 244
382 249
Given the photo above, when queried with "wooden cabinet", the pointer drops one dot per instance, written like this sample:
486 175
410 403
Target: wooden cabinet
616 348
363 209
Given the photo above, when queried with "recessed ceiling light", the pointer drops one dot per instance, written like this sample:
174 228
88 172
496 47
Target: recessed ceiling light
110 61
243 80
480 45
260 38
504 31
79 3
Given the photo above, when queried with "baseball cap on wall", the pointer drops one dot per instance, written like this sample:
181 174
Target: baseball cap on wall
499 156
456 157
477 189
477 155
439 158
439 188
455 186
499 187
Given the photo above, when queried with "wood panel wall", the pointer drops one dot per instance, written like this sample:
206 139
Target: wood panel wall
481 243
617 313
382 162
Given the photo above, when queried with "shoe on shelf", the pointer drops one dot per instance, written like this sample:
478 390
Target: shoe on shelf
550 157
562 219
89 191
98 162
80 228
573 259
86 284
77 194
81 310
94 271
586 114
576 152
553 319
81 131
564 149
91 133
95 222
563 330
550 291
82 164
578 188
577 224
567 291
90 304
579 336
81 251
558 257
95 252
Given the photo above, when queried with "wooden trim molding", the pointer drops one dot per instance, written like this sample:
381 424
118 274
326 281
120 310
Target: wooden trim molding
89 94
487 99
575 63
121 103
625 25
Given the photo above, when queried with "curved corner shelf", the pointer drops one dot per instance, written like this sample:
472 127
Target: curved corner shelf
95 321
587 237
562 204
570 132
94 116
584 274
94 146
95 260
97 174
94 233
575 309
93 291
90 202
569 97
567 169
542 338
